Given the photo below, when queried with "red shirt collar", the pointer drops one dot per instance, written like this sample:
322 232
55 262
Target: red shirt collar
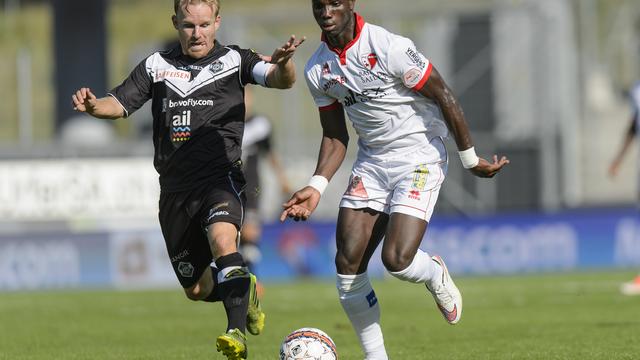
342 53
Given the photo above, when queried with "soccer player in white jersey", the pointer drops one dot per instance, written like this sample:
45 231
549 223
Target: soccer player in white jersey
632 287
400 108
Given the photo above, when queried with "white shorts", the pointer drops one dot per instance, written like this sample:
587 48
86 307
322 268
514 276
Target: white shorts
408 183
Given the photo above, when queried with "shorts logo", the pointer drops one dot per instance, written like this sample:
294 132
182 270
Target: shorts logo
420 175
216 66
180 256
216 211
414 194
370 61
185 269
356 187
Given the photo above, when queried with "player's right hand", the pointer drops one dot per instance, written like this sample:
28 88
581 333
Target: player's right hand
301 204
84 100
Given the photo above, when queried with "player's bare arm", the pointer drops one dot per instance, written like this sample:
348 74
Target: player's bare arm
333 148
104 108
437 90
283 74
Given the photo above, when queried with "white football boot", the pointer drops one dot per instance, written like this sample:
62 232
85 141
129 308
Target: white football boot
446 294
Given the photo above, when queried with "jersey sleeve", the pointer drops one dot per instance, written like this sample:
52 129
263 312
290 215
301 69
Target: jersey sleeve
135 90
253 69
407 63
322 100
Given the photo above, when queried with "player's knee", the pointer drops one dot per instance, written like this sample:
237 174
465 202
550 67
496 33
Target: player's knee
396 261
194 293
200 290
345 265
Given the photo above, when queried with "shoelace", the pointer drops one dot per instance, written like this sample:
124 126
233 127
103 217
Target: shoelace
443 294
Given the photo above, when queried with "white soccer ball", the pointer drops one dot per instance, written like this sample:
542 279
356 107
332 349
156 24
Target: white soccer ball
308 344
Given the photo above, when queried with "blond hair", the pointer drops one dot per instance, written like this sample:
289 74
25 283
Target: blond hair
181 4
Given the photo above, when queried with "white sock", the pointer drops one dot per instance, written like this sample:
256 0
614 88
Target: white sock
361 305
421 270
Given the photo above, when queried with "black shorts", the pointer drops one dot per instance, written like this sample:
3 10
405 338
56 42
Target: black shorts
184 217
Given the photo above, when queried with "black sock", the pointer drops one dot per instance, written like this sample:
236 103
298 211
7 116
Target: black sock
234 289
215 295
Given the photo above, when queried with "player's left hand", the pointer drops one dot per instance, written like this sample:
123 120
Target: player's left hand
282 54
486 169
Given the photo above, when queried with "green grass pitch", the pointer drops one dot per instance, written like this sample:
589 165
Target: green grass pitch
552 316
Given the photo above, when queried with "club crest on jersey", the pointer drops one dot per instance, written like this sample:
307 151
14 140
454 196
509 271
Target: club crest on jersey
412 77
216 66
370 61
181 126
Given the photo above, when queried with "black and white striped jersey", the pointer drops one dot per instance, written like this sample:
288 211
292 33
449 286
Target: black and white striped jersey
198 110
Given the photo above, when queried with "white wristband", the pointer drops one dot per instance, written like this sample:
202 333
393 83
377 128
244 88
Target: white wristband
319 183
469 158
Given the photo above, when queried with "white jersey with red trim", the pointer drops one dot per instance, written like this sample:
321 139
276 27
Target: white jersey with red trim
376 78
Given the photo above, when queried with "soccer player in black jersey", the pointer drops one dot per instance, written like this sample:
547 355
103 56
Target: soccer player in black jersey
197 94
